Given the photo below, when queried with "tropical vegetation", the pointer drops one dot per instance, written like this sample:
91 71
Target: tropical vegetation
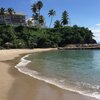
30 37
2 13
37 37
36 8
11 12
64 20
51 14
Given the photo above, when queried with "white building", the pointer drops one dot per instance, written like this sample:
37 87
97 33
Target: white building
35 23
15 19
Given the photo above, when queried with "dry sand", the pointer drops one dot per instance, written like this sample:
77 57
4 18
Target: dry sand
17 86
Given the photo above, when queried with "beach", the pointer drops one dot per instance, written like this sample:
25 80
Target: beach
18 86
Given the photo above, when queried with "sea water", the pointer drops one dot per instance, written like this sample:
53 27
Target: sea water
73 70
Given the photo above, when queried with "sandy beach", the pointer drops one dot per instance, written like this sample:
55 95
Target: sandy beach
17 86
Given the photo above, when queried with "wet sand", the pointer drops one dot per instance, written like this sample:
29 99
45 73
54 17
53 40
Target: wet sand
17 86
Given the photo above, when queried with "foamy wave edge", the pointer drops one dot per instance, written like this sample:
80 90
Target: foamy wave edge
21 66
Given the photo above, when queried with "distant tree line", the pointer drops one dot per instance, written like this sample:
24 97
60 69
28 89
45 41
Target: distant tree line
31 37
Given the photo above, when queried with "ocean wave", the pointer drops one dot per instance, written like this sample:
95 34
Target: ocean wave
21 66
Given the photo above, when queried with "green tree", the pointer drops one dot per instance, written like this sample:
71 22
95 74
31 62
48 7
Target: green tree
35 12
39 19
39 5
30 37
2 13
35 16
57 24
65 18
51 14
34 8
11 12
1 40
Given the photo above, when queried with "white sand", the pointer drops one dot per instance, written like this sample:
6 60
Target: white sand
6 79
12 53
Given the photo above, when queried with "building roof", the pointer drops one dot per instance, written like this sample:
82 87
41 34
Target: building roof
17 13
20 14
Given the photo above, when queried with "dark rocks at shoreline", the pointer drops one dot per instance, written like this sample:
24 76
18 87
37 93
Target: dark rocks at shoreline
79 47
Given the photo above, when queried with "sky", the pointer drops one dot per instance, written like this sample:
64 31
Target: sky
81 12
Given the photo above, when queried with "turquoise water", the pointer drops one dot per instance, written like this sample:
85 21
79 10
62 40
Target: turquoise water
74 70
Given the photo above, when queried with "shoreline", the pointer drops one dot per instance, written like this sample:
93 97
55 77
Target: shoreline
22 67
19 80
80 47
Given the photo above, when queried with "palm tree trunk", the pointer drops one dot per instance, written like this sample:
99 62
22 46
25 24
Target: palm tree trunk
51 22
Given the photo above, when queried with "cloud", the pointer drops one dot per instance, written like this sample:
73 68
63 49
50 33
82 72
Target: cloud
97 37
96 30
96 33
98 24
33 1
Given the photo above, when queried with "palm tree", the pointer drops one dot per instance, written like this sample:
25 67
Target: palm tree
39 5
35 15
2 13
11 12
57 24
65 18
51 14
41 20
38 19
34 8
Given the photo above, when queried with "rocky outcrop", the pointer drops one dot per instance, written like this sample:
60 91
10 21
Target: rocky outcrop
80 46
